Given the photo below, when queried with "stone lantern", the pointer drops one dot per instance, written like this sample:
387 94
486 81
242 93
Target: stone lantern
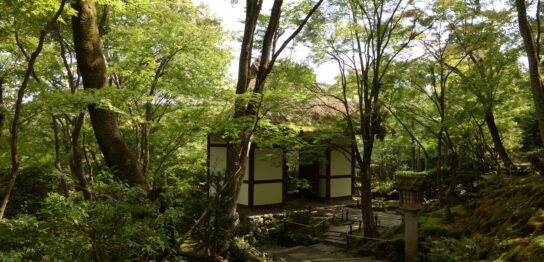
410 190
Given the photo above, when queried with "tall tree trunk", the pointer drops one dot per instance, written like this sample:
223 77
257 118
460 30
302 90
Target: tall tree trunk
237 150
76 158
369 225
58 164
413 165
2 109
76 161
19 105
90 61
453 183
487 148
439 173
534 64
494 131
247 112
87 160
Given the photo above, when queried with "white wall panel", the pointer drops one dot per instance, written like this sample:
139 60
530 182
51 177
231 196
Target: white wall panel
268 164
341 187
266 194
340 164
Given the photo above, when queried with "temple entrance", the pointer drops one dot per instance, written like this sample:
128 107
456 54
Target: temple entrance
310 173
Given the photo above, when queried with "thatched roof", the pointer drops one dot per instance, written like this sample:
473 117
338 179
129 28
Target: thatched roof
307 114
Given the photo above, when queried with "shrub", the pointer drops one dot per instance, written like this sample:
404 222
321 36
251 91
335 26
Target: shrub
31 187
301 217
120 224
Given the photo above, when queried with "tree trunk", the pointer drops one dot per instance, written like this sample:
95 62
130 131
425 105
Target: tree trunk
439 174
453 182
90 61
226 206
87 160
2 110
58 164
494 131
369 225
76 160
534 64
246 113
237 150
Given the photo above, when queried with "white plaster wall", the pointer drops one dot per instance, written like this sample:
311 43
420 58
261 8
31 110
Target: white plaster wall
243 196
341 187
269 193
218 160
268 164
340 164
322 187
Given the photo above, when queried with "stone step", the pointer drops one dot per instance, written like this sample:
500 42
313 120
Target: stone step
335 241
289 250
326 259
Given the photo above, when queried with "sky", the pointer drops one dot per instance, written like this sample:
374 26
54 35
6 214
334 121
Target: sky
232 16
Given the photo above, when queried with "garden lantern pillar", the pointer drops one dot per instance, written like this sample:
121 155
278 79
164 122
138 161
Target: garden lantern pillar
410 190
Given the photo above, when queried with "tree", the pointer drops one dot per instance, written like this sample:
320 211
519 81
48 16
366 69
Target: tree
532 49
31 60
165 83
490 69
91 63
370 37
246 111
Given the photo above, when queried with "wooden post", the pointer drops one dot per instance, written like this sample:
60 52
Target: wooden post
360 225
350 230
323 224
332 220
347 240
376 218
347 214
342 215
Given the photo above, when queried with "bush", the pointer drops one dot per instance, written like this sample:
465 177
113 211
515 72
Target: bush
301 217
120 224
31 187
465 249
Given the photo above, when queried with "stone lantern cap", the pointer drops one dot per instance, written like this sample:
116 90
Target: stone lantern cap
410 189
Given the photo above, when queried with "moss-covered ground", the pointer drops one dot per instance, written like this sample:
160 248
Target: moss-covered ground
503 221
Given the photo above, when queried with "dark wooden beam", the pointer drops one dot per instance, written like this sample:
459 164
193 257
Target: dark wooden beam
328 175
352 157
284 177
251 175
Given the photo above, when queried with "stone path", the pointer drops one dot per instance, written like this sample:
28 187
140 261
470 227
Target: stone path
337 234
314 253
385 219
334 242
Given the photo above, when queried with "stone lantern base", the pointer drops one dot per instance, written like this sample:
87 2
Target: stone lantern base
410 235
